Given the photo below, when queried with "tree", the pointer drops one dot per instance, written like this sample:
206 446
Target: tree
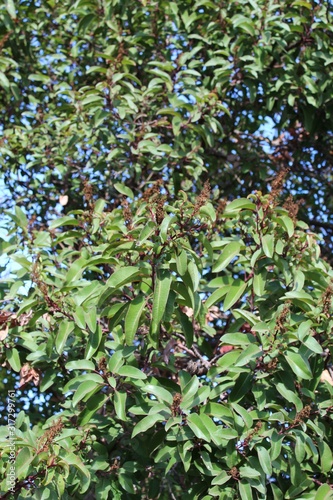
181 90
161 340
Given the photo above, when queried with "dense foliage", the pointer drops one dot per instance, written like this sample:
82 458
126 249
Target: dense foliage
184 347
117 89
166 329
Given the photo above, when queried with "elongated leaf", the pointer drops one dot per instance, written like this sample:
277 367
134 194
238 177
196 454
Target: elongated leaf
181 262
164 227
287 224
222 478
75 461
64 221
229 252
250 353
187 327
84 389
147 231
268 245
163 282
65 328
242 386
14 359
121 188
217 296
159 392
133 317
299 365
10 6
116 361
194 275
197 426
91 407
247 315
265 460
93 342
120 404
80 364
122 276
22 462
239 204
146 423
235 292
131 372
76 269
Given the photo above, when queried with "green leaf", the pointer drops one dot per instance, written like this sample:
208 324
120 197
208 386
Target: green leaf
64 221
187 327
74 460
122 277
93 342
121 188
259 282
146 423
326 456
264 459
229 253
217 295
159 392
246 315
235 292
80 364
11 9
268 245
324 492
222 478
120 404
209 211
163 280
65 329
252 352
239 204
13 358
22 463
197 426
132 318
131 372
84 389
164 227
241 388
147 231
91 408
194 275
76 269
21 217
181 262
299 365
287 223
116 361
302 296
245 490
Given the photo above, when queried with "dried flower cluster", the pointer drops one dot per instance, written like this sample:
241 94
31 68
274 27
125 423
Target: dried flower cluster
177 399
47 438
277 186
302 415
151 192
327 300
127 213
87 190
292 207
280 327
202 198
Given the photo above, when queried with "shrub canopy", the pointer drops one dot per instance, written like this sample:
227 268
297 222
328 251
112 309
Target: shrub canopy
167 318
